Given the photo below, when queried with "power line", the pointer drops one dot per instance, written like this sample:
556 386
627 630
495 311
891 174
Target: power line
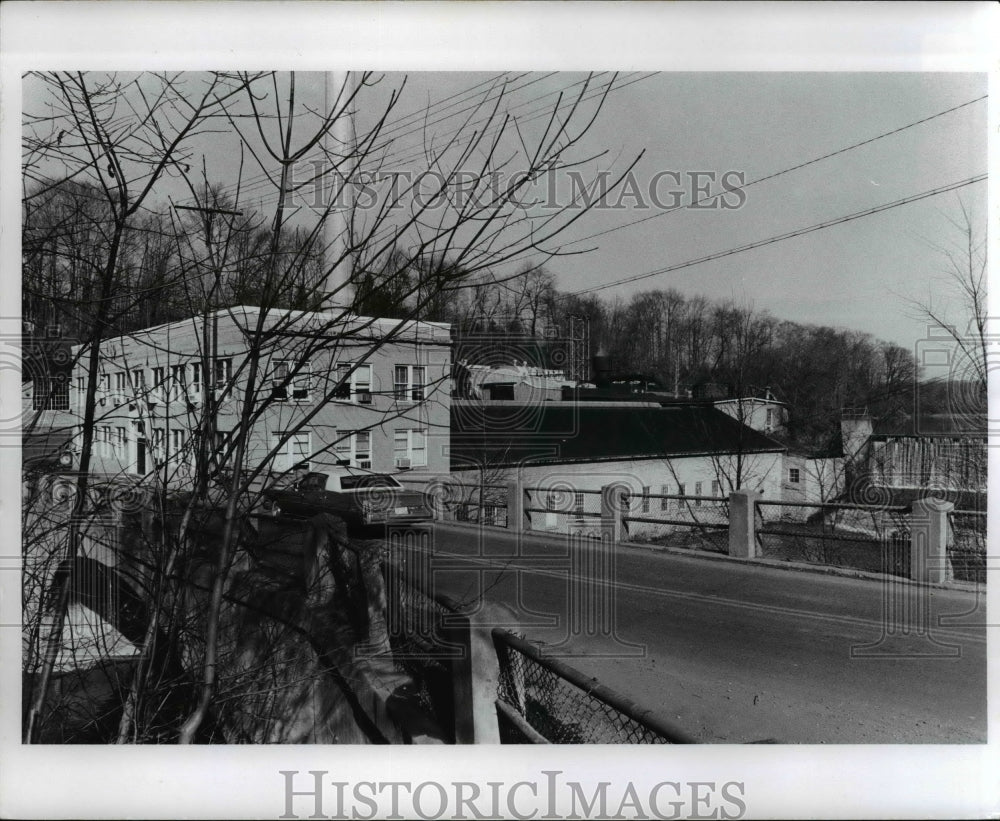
776 174
780 237
767 177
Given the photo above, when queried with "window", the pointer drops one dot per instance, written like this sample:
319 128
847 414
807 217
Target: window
363 449
355 385
104 388
120 441
177 381
355 449
50 393
343 389
793 475
342 448
81 393
159 377
120 387
408 383
286 385
223 376
138 382
645 498
697 492
195 390
178 439
716 488
578 502
410 445
294 451
104 438
159 442
664 503
770 418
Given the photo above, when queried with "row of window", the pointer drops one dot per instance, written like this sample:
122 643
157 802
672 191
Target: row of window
409 446
289 382
175 384
113 442
409 449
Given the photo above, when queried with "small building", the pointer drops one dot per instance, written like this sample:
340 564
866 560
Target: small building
569 450
516 383
763 413
374 393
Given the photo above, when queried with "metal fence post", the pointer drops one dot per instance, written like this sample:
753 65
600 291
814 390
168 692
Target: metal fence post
743 523
515 507
929 541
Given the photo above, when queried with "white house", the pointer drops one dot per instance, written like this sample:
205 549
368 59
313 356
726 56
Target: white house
568 450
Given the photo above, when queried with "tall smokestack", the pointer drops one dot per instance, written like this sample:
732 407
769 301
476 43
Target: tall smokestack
338 141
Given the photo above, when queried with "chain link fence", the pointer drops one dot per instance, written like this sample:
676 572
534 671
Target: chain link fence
541 700
414 617
967 545
862 537
674 520
538 699
559 508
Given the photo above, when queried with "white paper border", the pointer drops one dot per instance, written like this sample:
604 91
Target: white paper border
781 782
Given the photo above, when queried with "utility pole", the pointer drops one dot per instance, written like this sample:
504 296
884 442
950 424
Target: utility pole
338 141
210 345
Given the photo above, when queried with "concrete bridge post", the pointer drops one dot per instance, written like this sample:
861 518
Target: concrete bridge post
612 512
929 532
476 673
516 520
743 523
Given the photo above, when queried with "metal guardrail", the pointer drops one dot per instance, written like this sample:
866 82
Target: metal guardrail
542 700
863 537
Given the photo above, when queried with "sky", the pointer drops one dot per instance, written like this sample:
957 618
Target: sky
861 274
691 129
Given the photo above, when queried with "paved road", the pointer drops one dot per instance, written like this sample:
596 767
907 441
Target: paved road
736 652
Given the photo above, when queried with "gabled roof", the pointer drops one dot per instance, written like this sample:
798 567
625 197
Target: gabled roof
558 432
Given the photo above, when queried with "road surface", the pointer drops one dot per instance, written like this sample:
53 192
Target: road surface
736 652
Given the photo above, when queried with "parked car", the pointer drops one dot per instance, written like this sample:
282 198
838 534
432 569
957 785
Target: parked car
361 498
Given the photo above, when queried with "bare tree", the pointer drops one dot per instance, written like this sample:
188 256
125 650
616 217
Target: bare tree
447 228
121 136
964 279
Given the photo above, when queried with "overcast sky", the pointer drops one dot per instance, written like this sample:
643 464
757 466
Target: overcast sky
748 125
858 274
